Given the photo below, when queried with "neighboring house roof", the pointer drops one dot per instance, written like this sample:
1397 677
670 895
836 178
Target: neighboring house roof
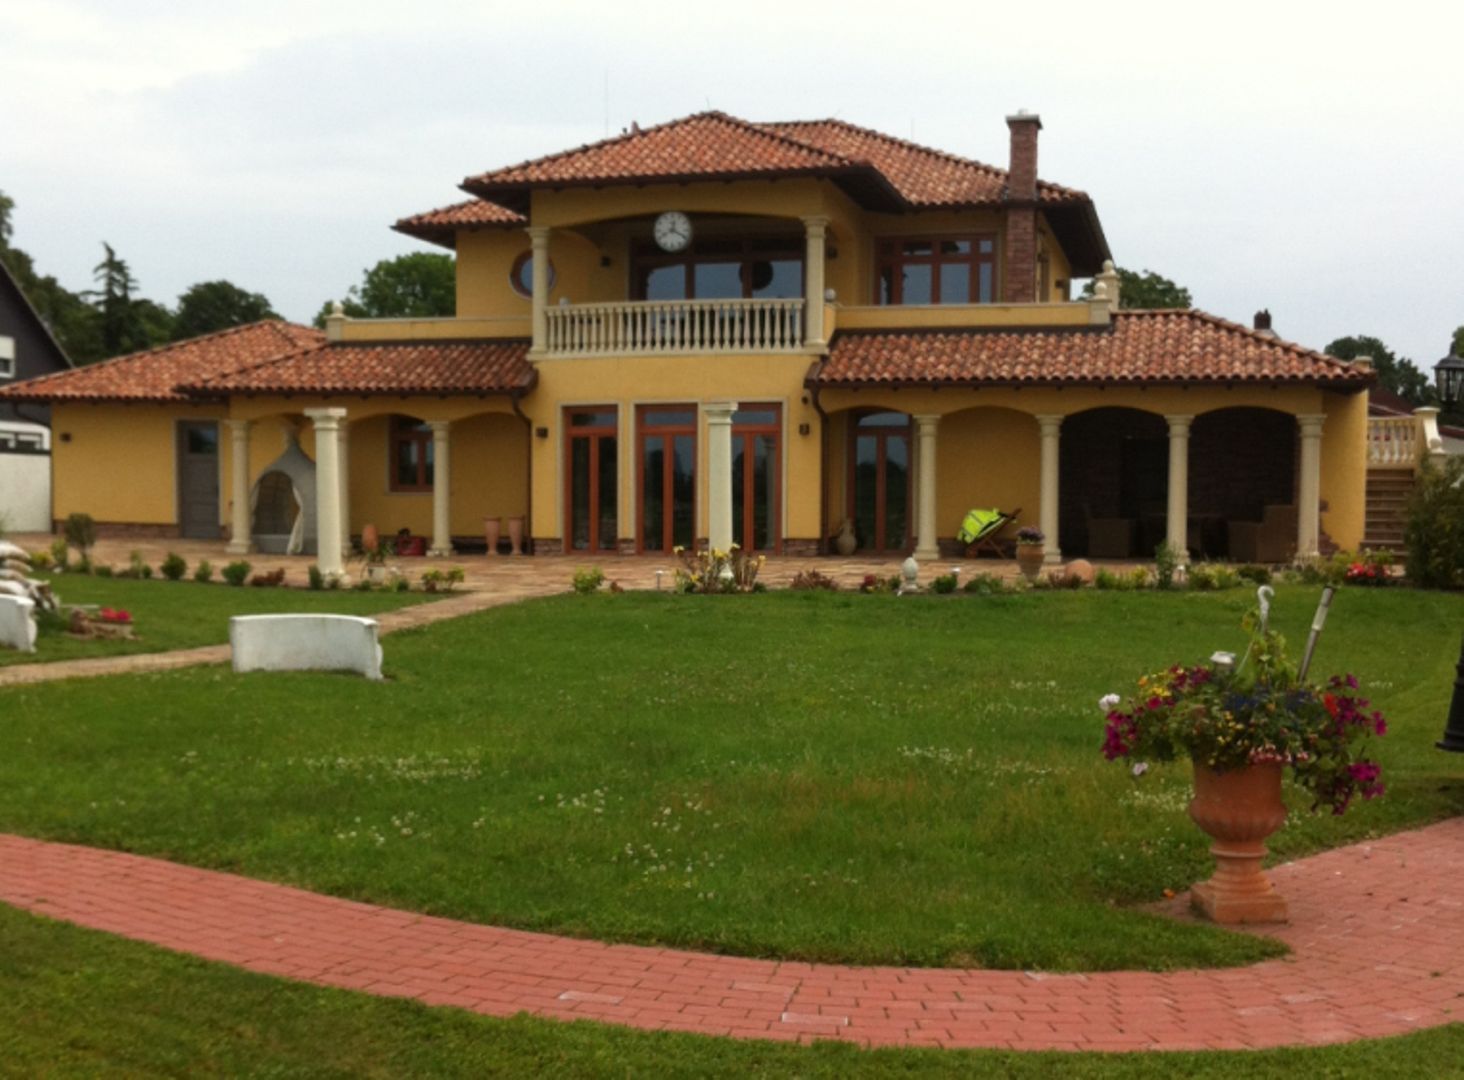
877 170
156 374
1151 347
24 304
440 226
413 367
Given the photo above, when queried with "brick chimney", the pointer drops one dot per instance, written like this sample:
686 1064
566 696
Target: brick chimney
1262 323
1019 272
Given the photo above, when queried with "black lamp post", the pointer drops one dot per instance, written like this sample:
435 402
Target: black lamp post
1449 377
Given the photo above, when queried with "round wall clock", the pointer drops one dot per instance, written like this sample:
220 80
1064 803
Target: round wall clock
673 231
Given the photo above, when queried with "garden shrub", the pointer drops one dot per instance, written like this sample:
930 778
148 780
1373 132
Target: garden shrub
362 585
1059 579
41 560
1257 575
985 584
174 566
203 572
809 580
103 570
317 579
236 573
1434 535
83 565
400 584
435 580
1206 577
1166 564
60 553
945 583
80 532
588 579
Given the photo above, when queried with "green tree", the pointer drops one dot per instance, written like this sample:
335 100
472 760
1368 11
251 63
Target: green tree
123 327
1146 289
72 320
217 305
1456 343
410 286
1395 373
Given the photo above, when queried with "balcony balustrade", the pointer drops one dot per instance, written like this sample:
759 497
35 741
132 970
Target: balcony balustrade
653 327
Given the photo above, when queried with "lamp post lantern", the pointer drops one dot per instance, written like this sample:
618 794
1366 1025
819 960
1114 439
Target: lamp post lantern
1449 379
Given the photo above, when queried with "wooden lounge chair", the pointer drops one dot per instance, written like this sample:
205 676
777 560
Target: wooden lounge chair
981 532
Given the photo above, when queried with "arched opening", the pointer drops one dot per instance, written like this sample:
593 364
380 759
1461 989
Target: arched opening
1113 479
1243 470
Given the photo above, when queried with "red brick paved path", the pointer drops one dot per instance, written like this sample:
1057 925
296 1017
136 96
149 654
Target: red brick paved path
1377 934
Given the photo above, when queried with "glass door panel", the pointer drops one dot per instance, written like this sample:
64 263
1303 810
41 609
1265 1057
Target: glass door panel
666 436
756 475
880 485
606 489
683 491
592 484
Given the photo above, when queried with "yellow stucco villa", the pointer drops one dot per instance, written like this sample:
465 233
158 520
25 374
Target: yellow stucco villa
721 331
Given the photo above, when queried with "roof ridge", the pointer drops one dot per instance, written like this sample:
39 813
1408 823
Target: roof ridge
292 353
1240 328
639 132
473 201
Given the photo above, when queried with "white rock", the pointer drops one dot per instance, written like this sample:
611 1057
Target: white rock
306 643
17 623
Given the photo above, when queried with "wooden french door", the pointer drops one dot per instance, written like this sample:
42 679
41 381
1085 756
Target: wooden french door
591 488
757 471
198 479
666 476
879 488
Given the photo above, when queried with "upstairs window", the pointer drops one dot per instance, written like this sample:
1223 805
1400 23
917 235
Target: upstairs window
936 270
7 357
753 269
411 454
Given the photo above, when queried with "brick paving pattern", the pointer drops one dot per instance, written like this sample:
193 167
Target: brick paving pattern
1377 935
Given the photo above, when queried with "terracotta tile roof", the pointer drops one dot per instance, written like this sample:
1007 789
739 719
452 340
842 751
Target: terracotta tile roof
1137 347
924 177
440 226
411 367
704 145
156 374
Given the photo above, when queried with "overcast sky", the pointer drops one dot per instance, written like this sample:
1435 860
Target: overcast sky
1305 157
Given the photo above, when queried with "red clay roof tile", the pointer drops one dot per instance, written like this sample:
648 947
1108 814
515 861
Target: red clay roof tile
411 367
1182 346
155 375
440 226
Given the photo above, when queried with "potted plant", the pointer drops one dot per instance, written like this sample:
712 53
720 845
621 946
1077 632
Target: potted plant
1243 725
374 560
1030 551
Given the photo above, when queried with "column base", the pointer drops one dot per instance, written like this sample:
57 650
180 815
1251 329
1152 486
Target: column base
924 555
440 553
232 548
1052 558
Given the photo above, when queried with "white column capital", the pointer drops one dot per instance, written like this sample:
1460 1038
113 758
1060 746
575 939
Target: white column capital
1179 425
926 420
1311 424
538 234
719 412
1049 422
239 428
815 224
328 419
439 427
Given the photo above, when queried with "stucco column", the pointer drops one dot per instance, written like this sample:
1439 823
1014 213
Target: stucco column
344 451
441 486
328 490
239 527
719 473
1176 532
815 231
926 546
539 241
1309 487
1047 519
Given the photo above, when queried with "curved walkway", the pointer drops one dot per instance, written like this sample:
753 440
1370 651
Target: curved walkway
1377 940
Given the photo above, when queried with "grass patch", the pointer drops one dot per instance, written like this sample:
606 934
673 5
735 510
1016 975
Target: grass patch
821 776
182 615
76 1002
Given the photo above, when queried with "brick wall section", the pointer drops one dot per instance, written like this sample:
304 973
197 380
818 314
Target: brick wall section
1019 259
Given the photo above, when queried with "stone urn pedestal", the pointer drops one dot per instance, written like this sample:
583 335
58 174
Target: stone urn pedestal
516 535
491 533
1030 559
1238 809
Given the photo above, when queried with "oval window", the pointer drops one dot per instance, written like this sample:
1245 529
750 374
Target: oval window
521 277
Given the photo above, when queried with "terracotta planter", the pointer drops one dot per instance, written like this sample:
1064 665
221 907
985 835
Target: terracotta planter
516 534
845 542
490 534
1238 808
1029 559
370 538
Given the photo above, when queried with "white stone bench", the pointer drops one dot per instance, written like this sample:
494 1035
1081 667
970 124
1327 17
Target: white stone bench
17 623
305 643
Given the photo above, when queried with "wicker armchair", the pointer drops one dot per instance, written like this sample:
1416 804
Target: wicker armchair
1270 540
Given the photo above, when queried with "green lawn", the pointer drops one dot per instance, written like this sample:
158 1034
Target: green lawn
184 614
839 777
76 1003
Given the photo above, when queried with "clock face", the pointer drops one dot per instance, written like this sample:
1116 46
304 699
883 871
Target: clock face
673 231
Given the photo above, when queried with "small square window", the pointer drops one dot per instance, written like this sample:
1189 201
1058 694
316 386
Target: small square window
7 357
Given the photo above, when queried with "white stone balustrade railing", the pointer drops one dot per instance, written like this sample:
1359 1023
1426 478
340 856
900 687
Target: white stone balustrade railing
1399 442
675 326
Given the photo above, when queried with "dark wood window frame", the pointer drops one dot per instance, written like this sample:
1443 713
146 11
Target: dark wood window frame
596 432
879 542
744 249
889 255
408 430
646 429
747 431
